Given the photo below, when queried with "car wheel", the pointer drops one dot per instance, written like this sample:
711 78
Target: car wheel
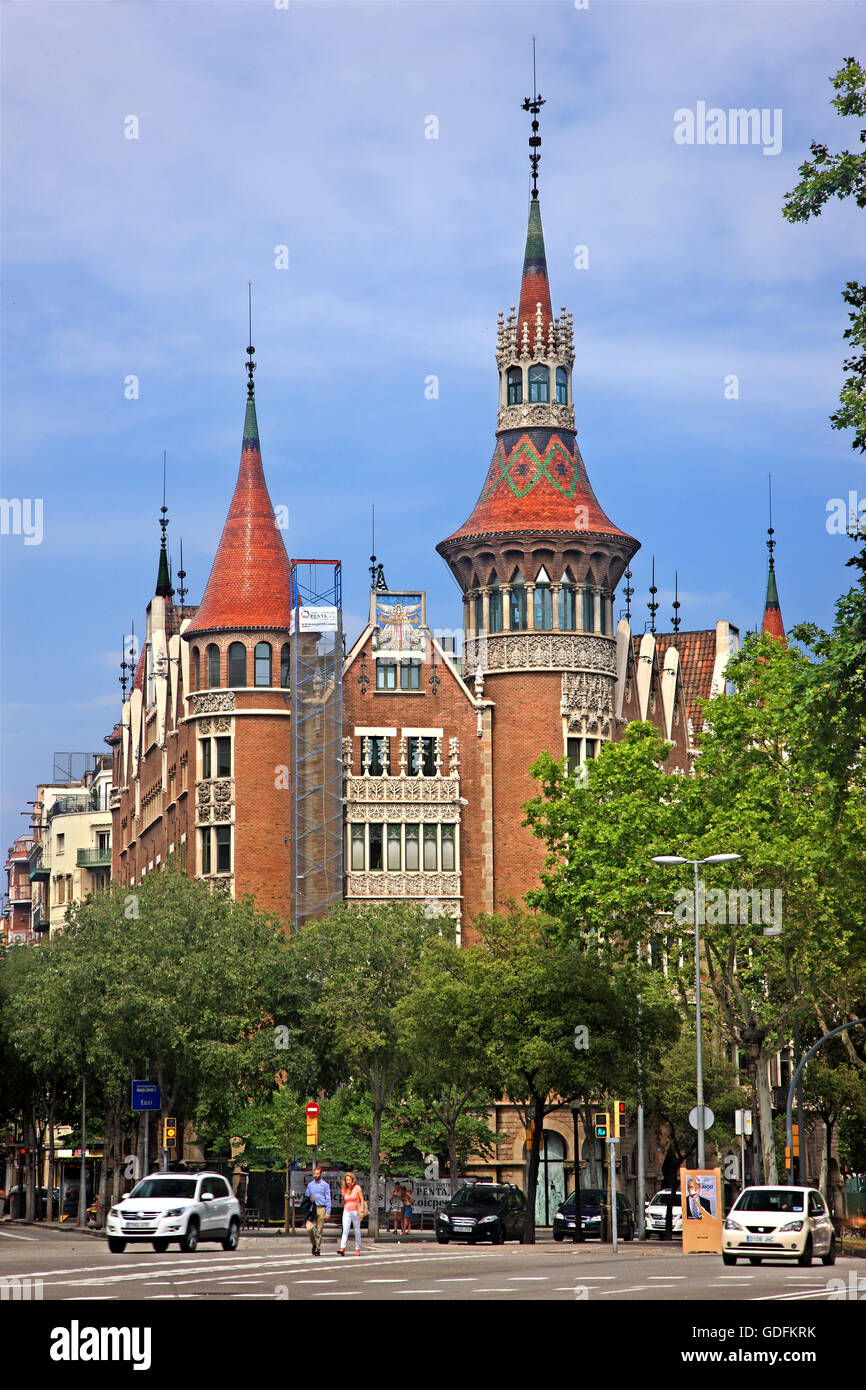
754 1259
806 1258
557 1235
830 1257
441 1238
189 1242
231 1240
116 1247
160 1246
728 1259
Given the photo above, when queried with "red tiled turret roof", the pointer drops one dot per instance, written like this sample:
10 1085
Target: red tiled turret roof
772 622
249 584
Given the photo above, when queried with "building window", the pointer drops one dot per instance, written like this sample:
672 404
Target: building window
518 605
224 849
213 665
412 856
448 853
602 609
205 850
494 607
223 757
572 754
588 622
376 747
358 858
263 663
61 843
515 386
284 666
196 668
539 384
561 386
479 612
237 664
204 744
394 848
430 849
375 838
543 608
386 675
566 608
422 756
591 748
103 841
410 674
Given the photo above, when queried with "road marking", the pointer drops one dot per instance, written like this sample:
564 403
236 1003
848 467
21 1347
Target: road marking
91 1298
671 1276
528 1278
419 1290
796 1293
9 1236
634 1289
336 1293
457 1279
494 1291
314 1281
381 1281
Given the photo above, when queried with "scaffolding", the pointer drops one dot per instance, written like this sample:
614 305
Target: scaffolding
317 732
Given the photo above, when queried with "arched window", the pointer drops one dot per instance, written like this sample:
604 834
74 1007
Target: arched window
213 665
479 611
561 386
196 668
542 603
518 603
566 606
495 605
602 609
539 383
588 619
263 663
237 664
514 381
284 666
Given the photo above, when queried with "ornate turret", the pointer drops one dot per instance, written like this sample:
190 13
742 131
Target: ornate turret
772 621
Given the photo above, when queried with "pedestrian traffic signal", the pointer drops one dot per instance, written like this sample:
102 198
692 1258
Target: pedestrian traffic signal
601 1121
618 1117
169 1132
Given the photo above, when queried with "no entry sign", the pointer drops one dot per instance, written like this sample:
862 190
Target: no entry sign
312 1109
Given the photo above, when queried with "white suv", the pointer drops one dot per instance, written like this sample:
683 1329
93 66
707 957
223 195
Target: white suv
180 1207
778 1223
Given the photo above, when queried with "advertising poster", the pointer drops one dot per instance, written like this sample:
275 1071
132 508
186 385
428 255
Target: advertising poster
701 1190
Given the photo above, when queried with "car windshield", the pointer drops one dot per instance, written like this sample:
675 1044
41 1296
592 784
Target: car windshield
479 1196
773 1199
165 1187
661 1199
589 1197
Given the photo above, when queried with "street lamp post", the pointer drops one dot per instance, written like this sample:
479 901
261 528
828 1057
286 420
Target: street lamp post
671 859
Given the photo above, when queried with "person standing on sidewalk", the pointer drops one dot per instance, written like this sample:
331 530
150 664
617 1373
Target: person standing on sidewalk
407 1210
354 1207
319 1194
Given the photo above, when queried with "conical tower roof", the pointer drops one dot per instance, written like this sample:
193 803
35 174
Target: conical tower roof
249 584
535 286
772 622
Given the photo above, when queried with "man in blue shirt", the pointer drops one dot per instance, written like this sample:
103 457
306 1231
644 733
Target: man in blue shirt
319 1193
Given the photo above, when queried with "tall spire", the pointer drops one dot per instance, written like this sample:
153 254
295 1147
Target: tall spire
250 581
163 578
534 287
772 621
653 604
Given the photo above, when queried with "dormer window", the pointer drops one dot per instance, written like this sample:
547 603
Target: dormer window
515 385
561 386
539 384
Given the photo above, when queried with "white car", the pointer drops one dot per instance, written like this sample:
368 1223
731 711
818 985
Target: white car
657 1210
780 1223
182 1207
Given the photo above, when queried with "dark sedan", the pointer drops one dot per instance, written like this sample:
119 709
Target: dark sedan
483 1211
590 1215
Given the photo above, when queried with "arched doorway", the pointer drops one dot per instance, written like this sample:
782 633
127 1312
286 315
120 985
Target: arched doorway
551 1177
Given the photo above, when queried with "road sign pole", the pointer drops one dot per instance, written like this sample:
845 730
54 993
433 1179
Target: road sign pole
611 1187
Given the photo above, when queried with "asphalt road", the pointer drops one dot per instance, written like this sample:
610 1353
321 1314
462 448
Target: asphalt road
62 1266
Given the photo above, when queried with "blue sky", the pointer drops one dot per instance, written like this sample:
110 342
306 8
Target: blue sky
305 127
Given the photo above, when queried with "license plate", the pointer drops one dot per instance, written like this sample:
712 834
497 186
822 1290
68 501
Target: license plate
758 1240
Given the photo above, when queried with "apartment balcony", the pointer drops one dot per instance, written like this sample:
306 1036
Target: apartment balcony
93 858
19 892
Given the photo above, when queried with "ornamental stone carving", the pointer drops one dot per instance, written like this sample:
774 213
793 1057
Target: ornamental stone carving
411 790
222 813
213 702
517 417
204 726
403 885
357 813
587 693
224 883
539 651
223 726
203 793
223 789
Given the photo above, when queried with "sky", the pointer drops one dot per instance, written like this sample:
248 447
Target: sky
289 144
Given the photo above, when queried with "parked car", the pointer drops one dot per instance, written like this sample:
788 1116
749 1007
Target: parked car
172 1207
657 1211
12 1207
483 1211
789 1223
590 1215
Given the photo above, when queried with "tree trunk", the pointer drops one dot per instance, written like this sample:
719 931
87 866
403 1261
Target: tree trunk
823 1181
30 1132
373 1218
532 1174
117 1176
589 1131
765 1119
49 1213
103 1176
452 1155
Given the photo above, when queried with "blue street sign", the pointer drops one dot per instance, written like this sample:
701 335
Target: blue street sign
145 1095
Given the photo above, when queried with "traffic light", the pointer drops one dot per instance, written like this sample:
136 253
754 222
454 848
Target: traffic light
601 1121
169 1132
618 1117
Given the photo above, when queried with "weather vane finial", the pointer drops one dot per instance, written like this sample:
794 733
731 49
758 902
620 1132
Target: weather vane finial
676 620
251 366
534 104
771 544
653 605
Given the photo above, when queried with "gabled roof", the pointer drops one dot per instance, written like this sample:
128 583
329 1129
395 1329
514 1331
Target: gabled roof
249 584
697 661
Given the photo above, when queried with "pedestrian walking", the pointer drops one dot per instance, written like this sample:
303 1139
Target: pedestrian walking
396 1208
318 1195
354 1207
407 1210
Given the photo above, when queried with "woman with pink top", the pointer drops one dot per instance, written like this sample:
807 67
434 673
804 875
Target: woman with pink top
354 1207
